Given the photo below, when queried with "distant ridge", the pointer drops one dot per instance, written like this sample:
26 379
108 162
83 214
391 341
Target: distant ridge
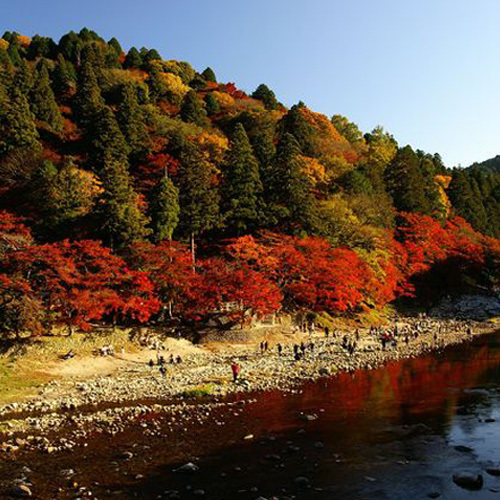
491 165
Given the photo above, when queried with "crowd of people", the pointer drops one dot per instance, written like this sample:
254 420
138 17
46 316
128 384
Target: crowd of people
325 341
161 362
332 339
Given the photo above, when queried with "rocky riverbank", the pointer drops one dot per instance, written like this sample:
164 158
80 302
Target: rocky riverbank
67 412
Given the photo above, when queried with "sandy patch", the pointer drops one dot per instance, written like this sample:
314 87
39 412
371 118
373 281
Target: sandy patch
86 366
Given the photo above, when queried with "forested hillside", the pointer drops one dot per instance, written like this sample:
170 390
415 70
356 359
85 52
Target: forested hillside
136 189
475 194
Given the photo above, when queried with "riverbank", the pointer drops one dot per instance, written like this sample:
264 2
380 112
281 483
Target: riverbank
134 448
68 409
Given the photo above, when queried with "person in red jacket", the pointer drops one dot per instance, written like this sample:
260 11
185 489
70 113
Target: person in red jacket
235 367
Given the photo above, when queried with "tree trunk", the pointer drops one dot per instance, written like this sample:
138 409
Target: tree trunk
193 255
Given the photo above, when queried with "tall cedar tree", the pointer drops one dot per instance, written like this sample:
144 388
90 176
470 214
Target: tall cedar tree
149 56
14 55
209 75
42 46
61 196
405 182
164 209
291 199
24 79
70 46
6 67
131 121
157 87
266 95
465 201
17 124
115 44
212 105
295 123
243 202
192 110
88 99
431 189
43 102
198 194
120 217
133 59
62 78
265 151
382 149
106 140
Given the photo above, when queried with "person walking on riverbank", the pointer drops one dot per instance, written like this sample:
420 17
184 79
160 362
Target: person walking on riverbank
235 368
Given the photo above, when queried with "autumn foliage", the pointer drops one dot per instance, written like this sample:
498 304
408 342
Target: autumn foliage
73 284
136 190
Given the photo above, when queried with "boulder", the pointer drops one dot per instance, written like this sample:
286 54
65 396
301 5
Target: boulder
468 480
301 482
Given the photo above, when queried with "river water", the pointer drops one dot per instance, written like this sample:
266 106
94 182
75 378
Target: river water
398 432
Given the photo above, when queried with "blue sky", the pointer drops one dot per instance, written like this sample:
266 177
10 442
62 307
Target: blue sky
427 70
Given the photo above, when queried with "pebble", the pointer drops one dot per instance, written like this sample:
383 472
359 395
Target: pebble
189 467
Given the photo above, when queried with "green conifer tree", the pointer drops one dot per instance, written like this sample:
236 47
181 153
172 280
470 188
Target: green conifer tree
131 121
266 95
107 142
63 81
115 45
164 209
14 55
133 59
198 194
70 46
120 218
242 194
43 102
405 182
24 80
88 99
157 87
431 188
209 75
295 123
6 67
211 104
17 124
290 194
192 110
465 200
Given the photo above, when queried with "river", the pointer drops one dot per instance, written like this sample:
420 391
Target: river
397 432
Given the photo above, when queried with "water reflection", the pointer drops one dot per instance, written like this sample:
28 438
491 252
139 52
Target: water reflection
390 433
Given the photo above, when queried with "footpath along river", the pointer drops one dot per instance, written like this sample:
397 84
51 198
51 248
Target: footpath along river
398 432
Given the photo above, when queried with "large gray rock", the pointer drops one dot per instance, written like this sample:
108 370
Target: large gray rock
477 307
493 471
302 482
468 480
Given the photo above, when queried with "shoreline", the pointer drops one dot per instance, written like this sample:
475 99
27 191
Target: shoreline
66 413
